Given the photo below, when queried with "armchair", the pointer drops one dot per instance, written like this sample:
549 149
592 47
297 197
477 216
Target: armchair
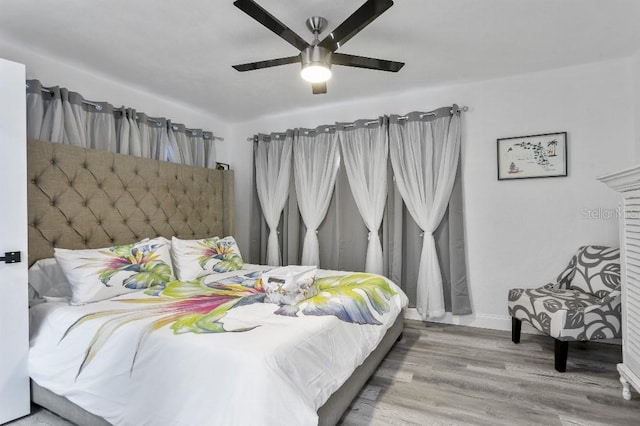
583 304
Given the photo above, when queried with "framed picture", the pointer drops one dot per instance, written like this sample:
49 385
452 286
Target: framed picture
532 156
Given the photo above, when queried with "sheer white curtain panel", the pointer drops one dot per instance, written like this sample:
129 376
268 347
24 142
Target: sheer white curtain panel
273 174
316 160
182 143
53 121
196 142
58 115
35 109
127 132
424 151
75 119
122 130
154 138
101 127
209 150
173 150
135 142
365 151
144 126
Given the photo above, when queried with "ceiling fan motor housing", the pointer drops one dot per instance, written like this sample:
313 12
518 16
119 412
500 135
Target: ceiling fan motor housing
316 55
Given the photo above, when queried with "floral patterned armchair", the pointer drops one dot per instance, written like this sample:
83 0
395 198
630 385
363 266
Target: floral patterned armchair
583 304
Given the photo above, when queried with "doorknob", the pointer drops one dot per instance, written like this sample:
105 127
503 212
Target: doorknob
11 257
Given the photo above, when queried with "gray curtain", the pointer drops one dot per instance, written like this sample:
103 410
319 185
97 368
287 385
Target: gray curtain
59 115
343 239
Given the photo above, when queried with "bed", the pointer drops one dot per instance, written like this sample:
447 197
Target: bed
98 363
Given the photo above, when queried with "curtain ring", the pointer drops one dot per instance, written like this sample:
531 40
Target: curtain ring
422 235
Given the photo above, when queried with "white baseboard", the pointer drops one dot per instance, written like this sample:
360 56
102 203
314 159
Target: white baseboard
493 322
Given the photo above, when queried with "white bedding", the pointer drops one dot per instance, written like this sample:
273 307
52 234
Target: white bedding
280 372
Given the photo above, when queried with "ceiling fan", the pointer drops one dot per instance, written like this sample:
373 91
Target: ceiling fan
316 58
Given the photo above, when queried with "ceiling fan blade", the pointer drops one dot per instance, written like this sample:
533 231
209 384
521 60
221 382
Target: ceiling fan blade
319 88
254 10
364 62
267 64
355 23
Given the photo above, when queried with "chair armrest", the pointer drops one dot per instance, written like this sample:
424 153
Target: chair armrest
607 303
613 298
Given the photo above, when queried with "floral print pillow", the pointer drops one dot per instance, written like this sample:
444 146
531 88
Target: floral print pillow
99 274
197 258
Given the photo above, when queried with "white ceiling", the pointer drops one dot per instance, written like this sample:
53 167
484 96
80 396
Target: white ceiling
184 50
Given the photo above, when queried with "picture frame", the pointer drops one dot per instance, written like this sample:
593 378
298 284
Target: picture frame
533 156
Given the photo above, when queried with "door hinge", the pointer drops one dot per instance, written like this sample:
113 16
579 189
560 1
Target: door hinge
11 257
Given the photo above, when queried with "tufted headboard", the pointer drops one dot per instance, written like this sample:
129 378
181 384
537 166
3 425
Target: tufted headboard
83 198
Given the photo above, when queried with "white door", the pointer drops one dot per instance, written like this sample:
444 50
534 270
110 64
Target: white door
14 310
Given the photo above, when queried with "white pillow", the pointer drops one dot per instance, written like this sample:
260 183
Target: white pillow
48 280
99 274
196 258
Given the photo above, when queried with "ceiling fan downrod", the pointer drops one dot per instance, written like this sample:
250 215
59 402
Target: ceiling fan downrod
316 24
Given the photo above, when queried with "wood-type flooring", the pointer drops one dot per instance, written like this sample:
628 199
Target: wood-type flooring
454 375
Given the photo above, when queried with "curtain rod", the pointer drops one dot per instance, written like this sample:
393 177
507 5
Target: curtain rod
194 132
98 107
404 117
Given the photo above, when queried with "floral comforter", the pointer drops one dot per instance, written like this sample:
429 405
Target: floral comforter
210 351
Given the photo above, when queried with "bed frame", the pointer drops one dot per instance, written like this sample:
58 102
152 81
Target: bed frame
82 198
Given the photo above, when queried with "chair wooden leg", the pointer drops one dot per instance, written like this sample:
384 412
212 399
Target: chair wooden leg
516 326
561 348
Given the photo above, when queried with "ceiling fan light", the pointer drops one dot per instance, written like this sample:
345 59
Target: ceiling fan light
316 73
316 64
